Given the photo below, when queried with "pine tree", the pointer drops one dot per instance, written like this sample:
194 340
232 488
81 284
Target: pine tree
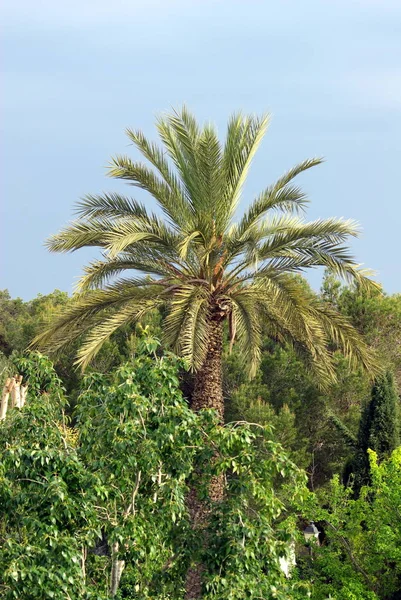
378 431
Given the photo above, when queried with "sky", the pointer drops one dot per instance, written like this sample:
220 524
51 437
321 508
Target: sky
77 73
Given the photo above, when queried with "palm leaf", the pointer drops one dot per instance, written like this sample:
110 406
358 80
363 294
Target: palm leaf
244 135
280 195
130 313
187 322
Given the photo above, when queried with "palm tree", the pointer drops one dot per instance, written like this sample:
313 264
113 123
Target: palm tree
200 264
206 268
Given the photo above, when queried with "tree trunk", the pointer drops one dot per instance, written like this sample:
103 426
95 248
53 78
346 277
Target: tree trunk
208 388
117 567
84 556
5 396
208 393
16 392
24 391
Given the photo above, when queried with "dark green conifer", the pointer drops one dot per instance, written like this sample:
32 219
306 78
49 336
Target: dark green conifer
378 430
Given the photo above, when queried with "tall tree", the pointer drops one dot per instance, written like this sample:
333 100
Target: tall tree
380 428
204 267
378 431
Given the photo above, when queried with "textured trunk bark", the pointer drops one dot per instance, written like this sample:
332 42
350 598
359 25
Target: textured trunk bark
83 562
16 392
24 391
208 388
117 567
208 393
4 399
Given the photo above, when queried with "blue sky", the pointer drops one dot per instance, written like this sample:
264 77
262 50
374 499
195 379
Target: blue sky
76 73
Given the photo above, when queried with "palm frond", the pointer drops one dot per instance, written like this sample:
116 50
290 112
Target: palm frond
109 205
129 232
285 234
98 273
244 135
282 308
195 236
81 314
194 339
130 313
248 328
316 254
183 213
280 195
185 327
80 234
347 338
348 437
184 168
289 236
185 132
139 175
211 176
318 325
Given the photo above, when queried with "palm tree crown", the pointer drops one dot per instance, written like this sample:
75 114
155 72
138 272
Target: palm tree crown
198 261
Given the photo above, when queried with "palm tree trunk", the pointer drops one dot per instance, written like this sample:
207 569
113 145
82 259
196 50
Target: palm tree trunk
208 393
208 388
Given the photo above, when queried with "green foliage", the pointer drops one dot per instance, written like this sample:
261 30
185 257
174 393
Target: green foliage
38 372
21 321
361 555
5 369
250 402
140 437
283 380
375 314
125 477
62 488
47 517
252 527
285 394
